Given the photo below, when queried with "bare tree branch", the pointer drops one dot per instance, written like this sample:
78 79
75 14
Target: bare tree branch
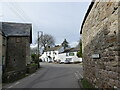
46 40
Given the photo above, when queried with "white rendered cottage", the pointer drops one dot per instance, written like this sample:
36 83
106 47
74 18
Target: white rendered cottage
51 54
69 56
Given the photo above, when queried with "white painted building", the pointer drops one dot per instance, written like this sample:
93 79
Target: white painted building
52 54
69 56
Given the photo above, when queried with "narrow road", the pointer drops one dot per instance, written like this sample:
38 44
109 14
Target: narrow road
51 76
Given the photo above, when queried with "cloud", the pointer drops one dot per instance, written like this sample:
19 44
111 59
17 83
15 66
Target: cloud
73 44
33 46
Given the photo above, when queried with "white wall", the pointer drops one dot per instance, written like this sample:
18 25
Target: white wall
59 56
53 56
74 58
62 57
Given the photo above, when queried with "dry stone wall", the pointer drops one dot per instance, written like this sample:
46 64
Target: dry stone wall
0 48
101 35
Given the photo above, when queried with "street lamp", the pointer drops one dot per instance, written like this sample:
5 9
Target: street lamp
38 45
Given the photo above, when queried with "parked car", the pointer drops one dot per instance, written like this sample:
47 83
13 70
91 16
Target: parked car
40 60
67 62
61 61
50 61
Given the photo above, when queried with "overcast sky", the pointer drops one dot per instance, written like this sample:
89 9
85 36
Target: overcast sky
60 19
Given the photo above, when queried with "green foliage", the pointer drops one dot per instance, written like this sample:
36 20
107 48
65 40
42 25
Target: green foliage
35 58
65 44
79 54
86 84
32 64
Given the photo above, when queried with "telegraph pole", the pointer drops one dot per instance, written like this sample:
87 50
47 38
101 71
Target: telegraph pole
39 46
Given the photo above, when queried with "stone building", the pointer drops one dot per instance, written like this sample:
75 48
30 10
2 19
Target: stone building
101 44
0 57
19 37
0 48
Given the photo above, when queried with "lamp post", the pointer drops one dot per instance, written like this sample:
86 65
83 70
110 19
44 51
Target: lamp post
39 45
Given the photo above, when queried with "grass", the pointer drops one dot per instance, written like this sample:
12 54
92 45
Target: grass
33 64
86 84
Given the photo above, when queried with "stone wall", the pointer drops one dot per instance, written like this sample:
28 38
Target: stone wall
17 51
100 35
12 76
0 48
28 55
4 45
0 59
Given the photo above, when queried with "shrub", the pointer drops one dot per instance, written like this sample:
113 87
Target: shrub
79 54
86 84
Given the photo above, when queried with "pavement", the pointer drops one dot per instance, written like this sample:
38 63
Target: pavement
51 76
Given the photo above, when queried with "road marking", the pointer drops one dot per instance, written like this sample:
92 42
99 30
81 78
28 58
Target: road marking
79 74
13 85
32 75
10 86
76 76
17 83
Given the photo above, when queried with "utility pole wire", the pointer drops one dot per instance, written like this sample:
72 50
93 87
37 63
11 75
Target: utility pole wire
15 12
22 15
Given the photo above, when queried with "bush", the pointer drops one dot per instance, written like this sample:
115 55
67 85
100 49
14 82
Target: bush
86 84
35 59
79 54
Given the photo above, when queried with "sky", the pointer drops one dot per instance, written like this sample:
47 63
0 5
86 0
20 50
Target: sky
62 20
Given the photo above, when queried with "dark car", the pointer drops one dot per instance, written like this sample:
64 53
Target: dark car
40 60
50 61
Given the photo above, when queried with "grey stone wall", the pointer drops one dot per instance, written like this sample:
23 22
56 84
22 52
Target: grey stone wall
0 60
0 48
100 35
28 55
17 51
4 45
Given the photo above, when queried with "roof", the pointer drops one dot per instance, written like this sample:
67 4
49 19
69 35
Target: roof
71 50
86 15
53 48
17 29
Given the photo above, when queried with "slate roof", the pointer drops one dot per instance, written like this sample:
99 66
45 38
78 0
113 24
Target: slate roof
71 50
53 48
17 29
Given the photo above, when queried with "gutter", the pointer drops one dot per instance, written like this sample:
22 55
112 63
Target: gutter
86 15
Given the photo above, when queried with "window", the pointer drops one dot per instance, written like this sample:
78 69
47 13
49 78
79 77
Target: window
71 54
18 40
55 53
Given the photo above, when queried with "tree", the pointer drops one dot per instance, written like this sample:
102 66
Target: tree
79 54
46 40
65 44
